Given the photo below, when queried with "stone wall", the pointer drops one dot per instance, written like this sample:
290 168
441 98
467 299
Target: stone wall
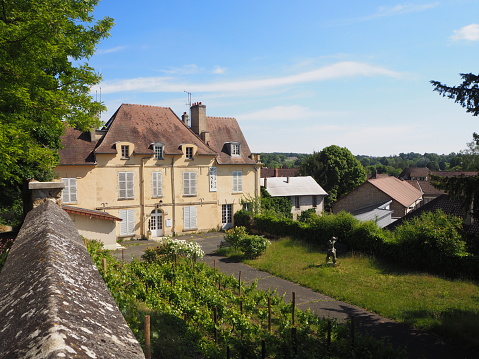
53 301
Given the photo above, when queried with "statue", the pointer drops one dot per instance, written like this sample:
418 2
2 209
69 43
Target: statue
331 254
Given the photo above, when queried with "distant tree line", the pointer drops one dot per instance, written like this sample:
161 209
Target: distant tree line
465 160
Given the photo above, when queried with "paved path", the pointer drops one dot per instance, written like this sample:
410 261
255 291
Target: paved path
419 345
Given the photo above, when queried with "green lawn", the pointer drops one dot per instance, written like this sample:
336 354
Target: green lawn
449 308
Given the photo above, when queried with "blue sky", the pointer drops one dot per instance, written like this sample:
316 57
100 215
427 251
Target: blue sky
299 75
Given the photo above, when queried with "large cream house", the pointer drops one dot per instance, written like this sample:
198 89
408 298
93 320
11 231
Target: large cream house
159 175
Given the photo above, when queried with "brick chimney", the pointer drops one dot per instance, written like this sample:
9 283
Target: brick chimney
198 118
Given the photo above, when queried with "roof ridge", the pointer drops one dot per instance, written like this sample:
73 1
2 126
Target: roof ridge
140 105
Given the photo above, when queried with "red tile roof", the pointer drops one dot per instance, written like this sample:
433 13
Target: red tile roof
223 130
90 213
401 191
77 148
143 125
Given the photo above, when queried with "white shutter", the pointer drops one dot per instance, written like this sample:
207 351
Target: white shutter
121 185
66 191
237 181
129 184
131 221
212 179
73 189
127 225
189 217
157 184
189 183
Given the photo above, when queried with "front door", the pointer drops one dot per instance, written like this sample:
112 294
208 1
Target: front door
227 216
156 223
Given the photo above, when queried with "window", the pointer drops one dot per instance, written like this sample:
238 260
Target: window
237 181
315 201
158 148
189 183
212 174
189 153
226 214
235 149
69 194
127 225
296 202
157 180
125 185
189 217
125 151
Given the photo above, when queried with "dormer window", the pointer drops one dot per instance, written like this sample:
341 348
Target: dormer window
125 151
189 153
235 149
158 148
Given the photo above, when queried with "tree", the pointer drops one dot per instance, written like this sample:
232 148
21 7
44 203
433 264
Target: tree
470 156
467 95
44 82
335 169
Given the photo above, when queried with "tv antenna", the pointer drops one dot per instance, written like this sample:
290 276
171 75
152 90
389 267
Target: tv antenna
189 99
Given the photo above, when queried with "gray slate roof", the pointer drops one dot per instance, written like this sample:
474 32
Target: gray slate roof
293 186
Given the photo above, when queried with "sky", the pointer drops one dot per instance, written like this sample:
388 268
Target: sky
299 75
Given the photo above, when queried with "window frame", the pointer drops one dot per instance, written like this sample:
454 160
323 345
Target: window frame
190 217
127 225
125 151
235 149
237 181
128 183
159 151
70 190
189 183
157 184
189 152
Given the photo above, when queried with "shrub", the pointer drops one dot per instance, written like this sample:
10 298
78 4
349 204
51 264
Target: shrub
429 238
251 245
243 218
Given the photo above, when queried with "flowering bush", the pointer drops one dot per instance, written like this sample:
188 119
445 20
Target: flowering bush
169 248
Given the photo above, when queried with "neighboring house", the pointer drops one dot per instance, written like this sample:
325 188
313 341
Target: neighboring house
381 189
304 192
161 177
93 224
279 172
379 213
449 206
420 177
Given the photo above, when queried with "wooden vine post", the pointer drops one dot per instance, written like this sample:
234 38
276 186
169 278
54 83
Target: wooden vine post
103 262
147 337
215 319
293 308
269 314
239 283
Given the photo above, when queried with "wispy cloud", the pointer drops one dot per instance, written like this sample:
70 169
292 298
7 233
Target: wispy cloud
401 9
189 69
110 50
218 70
171 84
469 33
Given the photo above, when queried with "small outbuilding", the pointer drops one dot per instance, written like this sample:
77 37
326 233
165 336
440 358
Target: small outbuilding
303 191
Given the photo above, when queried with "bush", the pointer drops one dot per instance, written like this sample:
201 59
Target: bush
251 245
243 218
429 238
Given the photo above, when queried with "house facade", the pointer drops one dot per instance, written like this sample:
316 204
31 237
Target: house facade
158 174
303 191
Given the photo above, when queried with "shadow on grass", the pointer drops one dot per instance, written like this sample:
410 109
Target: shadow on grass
456 326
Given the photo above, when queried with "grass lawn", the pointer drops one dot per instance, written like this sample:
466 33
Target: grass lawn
449 308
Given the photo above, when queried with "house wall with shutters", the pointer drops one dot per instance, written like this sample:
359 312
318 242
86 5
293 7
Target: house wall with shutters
98 184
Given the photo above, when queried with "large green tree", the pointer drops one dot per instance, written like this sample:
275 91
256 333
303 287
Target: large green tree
467 95
335 169
45 81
